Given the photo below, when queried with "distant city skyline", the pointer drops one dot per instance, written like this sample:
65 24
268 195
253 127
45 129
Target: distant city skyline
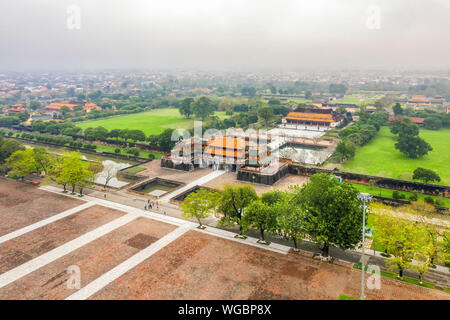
266 35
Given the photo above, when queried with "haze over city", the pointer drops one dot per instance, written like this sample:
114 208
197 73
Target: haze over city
225 35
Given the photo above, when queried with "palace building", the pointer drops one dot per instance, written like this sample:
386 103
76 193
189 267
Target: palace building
229 151
310 118
55 107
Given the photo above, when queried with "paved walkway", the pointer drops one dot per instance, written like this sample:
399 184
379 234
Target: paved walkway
44 222
128 264
198 182
32 265
172 216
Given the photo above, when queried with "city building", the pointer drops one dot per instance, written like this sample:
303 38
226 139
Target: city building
14 108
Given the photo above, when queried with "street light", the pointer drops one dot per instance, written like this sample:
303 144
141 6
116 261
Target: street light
364 197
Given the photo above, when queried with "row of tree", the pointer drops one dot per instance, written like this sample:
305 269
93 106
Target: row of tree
432 120
415 245
325 210
68 169
358 135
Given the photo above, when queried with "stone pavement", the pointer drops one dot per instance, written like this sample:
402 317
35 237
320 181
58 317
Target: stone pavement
50 262
442 273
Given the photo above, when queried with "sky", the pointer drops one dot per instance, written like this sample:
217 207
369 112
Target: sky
51 35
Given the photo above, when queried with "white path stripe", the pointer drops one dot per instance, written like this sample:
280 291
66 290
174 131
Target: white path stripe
32 265
198 182
44 222
127 265
123 207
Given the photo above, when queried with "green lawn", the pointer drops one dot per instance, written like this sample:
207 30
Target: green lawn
345 297
135 170
405 278
151 122
359 99
387 193
380 158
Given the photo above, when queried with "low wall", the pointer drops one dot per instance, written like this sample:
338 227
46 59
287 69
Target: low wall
168 163
255 177
388 183
84 150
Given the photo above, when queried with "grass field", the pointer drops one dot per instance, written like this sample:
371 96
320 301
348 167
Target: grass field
387 193
359 99
379 157
151 122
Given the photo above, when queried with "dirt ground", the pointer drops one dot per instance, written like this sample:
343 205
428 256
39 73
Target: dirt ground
37 242
200 266
93 259
22 204
282 184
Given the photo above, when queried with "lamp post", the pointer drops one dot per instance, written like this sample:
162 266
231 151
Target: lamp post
364 197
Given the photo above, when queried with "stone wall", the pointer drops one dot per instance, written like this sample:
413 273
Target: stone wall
168 163
388 183
254 177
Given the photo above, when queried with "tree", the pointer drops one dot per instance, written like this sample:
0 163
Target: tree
432 123
114 133
426 175
337 88
290 220
404 127
429 248
73 171
265 113
333 213
136 135
446 247
186 107
165 140
55 172
399 237
233 202
413 147
202 107
65 110
261 216
199 204
345 150
34 105
108 173
398 110
22 163
42 159
308 95
7 148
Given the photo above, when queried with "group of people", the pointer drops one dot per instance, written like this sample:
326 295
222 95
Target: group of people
150 205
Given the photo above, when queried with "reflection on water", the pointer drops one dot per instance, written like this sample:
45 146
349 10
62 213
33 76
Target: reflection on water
304 154
111 168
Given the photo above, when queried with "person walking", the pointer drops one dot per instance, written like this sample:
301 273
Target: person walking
145 207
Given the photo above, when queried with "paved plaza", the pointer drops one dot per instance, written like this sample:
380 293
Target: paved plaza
124 252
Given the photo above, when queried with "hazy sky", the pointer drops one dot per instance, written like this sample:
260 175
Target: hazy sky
224 34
